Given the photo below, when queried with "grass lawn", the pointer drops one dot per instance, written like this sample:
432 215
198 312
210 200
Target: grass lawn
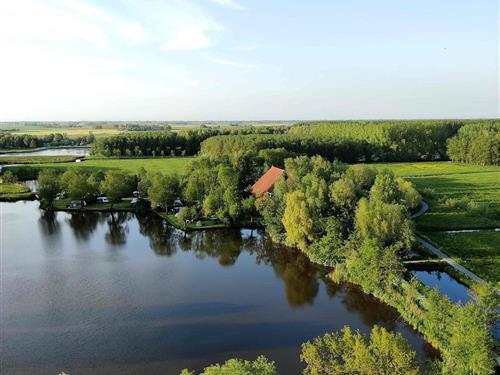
432 168
62 204
10 192
130 166
477 251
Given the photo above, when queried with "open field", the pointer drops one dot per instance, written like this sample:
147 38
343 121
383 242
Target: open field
130 166
460 201
477 251
69 131
433 168
460 196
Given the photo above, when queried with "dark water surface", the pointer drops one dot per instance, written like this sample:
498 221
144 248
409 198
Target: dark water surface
92 294
445 283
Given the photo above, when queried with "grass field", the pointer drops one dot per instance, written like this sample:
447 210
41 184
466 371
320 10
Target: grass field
460 201
460 196
433 168
477 251
62 204
130 166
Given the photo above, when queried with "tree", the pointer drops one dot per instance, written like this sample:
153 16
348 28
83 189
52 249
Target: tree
470 347
76 183
348 352
374 267
261 366
115 186
9 178
329 248
185 214
388 224
164 190
48 185
297 220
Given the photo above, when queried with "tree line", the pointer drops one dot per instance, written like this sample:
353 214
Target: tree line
476 144
364 141
165 143
31 141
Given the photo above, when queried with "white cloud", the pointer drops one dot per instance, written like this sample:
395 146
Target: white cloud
187 38
236 64
230 3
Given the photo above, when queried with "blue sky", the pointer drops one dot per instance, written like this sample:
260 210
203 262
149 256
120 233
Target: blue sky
248 59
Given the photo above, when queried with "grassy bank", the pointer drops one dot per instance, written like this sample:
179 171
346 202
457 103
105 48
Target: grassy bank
37 159
62 205
14 192
197 225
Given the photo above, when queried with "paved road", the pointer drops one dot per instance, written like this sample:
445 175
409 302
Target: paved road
423 209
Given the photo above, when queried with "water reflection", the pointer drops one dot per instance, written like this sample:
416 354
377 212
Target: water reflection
129 294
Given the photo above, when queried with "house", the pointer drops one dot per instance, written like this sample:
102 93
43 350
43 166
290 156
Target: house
265 184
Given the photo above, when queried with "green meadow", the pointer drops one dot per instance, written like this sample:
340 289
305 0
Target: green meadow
129 166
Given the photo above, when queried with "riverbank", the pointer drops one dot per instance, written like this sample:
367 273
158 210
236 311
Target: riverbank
38 149
15 192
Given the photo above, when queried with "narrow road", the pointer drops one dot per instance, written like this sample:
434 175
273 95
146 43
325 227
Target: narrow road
423 209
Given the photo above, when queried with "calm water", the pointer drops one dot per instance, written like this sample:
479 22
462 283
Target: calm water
62 151
92 294
446 284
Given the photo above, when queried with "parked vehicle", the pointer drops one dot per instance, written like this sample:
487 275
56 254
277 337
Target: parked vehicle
77 204
102 200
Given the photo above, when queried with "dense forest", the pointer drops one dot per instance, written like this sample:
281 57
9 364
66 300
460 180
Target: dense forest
166 143
476 144
30 141
364 141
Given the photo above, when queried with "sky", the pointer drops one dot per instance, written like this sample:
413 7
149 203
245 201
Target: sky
248 59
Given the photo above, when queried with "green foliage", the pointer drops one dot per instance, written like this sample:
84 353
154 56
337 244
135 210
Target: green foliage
388 188
386 223
348 352
298 220
48 185
163 190
260 366
9 178
476 144
374 267
470 345
116 186
21 141
329 248
185 214
76 183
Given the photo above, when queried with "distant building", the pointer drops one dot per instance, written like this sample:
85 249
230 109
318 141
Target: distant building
265 184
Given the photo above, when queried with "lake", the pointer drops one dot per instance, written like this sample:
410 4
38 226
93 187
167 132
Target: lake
446 284
94 293
56 151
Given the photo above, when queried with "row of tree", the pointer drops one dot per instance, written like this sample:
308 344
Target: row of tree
31 141
476 144
352 141
166 143
81 185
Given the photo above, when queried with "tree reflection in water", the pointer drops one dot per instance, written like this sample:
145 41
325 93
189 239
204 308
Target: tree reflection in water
163 239
48 223
117 228
83 223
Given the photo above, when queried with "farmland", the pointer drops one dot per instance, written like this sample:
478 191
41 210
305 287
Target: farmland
478 251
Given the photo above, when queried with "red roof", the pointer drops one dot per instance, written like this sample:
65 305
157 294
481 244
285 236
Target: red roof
267 181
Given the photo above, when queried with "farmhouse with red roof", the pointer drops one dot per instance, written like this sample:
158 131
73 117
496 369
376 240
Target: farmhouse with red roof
266 183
